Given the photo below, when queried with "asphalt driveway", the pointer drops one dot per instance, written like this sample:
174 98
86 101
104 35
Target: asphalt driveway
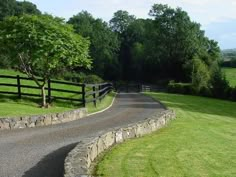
40 152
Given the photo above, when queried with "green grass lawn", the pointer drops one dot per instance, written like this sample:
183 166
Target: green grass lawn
201 142
12 106
230 75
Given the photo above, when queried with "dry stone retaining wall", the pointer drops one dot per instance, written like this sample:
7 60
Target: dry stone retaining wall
41 120
79 160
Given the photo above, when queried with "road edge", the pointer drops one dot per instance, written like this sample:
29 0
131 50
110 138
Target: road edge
78 162
113 100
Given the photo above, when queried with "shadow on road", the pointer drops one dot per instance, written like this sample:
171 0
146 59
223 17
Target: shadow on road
51 165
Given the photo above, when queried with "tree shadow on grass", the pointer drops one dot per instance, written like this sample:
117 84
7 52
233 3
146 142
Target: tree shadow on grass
35 101
51 165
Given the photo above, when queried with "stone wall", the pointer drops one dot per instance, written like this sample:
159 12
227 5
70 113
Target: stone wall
41 120
79 160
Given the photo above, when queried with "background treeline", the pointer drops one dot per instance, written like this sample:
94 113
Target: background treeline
168 46
229 58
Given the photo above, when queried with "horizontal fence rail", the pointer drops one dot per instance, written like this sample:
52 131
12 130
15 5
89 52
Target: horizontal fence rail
97 92
88 92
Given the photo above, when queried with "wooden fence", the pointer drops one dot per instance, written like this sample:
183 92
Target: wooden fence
88 92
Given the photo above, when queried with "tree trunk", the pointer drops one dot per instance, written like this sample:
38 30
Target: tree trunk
44 104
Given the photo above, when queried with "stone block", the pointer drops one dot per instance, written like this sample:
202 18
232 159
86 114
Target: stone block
20 124
100 145
60 117
47 120
119 136
31 125
93 150
40 121
152 124
4 125
129 132
82 113
108 139
12 122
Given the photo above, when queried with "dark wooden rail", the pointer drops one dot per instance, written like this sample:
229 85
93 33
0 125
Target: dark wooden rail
89 92
97 92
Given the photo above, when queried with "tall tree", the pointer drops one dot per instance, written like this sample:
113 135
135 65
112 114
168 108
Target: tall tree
119 24
7 8
42 46
121 20
16 8
104 44
26 7
178 40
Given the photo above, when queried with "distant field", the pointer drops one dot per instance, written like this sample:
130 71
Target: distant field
12 106
199 143
230 75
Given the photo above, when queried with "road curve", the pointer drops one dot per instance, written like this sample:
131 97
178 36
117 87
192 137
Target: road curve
40 152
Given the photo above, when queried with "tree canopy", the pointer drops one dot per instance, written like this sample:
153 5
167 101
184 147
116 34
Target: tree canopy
42 46
162 47
16 8
104 44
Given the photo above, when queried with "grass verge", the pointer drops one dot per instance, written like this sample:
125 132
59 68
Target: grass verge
12 106
106 102
15 107
200 142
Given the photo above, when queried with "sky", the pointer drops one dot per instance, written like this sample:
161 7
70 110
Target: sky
217 17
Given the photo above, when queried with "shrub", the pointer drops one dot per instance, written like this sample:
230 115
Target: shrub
91 79
200 75
205 91
182 88
233 94
71 76
233 63
5 62
218 82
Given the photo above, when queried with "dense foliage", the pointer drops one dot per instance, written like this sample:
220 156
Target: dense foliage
42 46
16 8
167 46
104 44
163 47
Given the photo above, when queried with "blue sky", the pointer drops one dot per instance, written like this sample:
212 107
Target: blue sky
218 17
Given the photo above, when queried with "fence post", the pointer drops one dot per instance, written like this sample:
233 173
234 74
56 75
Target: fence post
49 91
111 87
140 87
99 93
83 95
18 86
94 96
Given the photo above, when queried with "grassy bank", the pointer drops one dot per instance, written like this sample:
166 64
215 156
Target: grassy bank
200 142
12 106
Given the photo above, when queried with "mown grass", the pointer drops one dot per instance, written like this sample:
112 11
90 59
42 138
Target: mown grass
12 106
200 142
230 75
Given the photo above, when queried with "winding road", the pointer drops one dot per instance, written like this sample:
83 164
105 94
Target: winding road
40 152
